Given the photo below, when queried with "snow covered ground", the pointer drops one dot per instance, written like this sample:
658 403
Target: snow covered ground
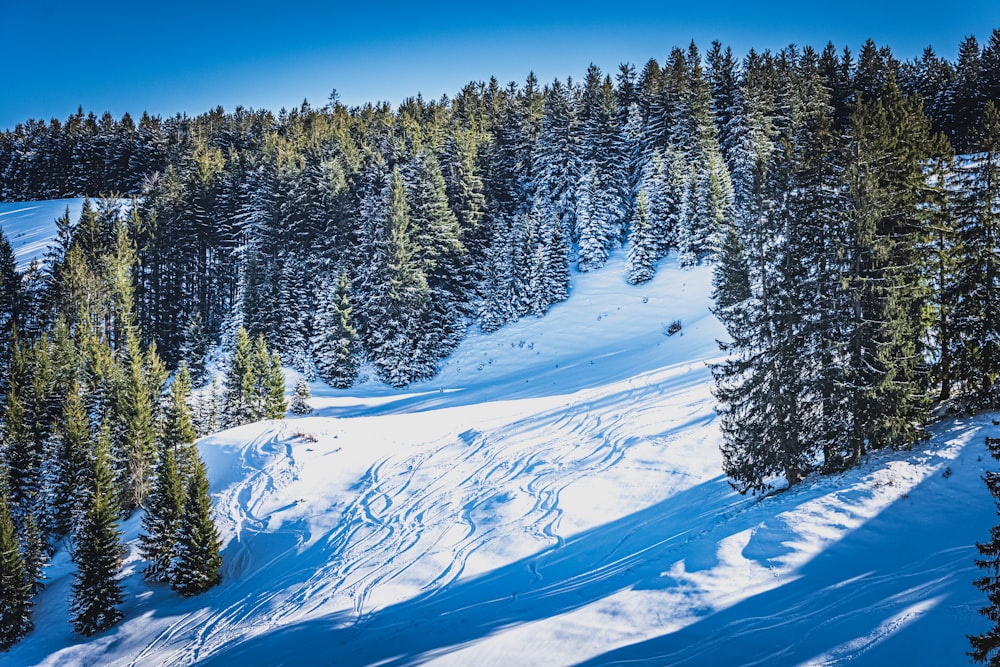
31 226
554 497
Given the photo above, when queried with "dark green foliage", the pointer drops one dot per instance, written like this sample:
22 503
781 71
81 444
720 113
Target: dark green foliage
196 566
642 252
73 468
166 499
98 551
977 270
885 369
194 351
15 584
335 342
10 306
986 647
255 383
238 389
275 405
35 549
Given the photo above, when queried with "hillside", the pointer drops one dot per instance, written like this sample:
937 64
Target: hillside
555 496
31 226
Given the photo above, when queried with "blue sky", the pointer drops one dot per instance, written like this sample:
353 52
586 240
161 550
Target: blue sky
187 56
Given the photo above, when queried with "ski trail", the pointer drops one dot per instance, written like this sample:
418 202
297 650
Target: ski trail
268 466
409 512
418 519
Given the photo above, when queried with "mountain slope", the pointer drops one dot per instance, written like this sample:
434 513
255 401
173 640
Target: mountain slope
554 496
30 227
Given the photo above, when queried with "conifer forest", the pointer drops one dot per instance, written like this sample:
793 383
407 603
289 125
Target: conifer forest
849 204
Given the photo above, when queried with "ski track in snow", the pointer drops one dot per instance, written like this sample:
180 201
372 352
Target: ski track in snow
561 500
409 511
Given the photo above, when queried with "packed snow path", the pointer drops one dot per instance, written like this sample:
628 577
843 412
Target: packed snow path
555 497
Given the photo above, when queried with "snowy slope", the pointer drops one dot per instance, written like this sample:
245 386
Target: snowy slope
30 227
554 497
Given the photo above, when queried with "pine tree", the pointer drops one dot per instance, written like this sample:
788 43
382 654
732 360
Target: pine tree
73 469
977 301
36 551
15 586
300 400
98 551
197 564
194 351
134 446
10 306
208 409
237 392
400 334
166 500
275 405
592 229
335 343
986 647
885 367
642 251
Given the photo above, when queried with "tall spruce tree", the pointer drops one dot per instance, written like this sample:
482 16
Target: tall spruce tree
885 369
335 343
642 251
196 566
166 500
986 647
237 392
977 301
73 468
275 404
98 550
15 584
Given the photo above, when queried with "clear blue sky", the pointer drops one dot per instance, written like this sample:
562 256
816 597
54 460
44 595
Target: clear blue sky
187 56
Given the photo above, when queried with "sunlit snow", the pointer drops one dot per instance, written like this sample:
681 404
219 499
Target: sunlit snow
554 496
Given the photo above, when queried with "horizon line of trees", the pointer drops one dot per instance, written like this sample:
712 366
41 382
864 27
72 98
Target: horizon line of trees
851 207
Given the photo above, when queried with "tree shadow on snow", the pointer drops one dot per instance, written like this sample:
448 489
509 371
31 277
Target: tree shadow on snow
866 599
912 601
627 553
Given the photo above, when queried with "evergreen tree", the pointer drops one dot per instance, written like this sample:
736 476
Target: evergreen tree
400 337
208 409
986 647
885 366
10 306
15 586
166 500
73 468
194 351
196 566
642 251
300 400
335 343
98 551
135 445
977 302
275 405
36 551
238 389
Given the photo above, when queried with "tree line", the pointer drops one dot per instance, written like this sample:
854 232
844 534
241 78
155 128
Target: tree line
94 427
848 203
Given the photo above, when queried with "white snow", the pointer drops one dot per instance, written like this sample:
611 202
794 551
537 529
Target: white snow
30 227
554 496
